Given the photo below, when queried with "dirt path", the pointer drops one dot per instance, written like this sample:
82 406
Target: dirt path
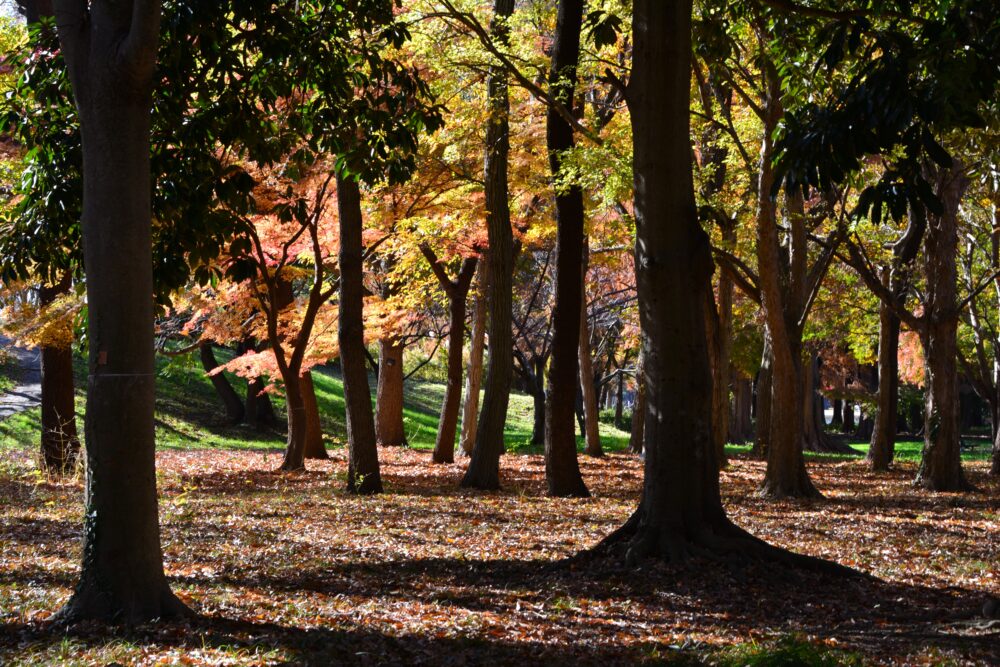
28 392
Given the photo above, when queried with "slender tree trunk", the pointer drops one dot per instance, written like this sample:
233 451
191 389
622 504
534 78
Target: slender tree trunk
259 409
60 443
389 429
815 438
941 463
235 411
637 436
484 466
313 446
720 385
537 389
764 382
444 446
883 443
740 422
110 51
474 374
295 444
590 425
363 474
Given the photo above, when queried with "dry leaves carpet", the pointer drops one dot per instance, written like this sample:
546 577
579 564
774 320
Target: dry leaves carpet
291 569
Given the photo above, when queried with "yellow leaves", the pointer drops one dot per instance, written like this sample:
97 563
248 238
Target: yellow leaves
32 325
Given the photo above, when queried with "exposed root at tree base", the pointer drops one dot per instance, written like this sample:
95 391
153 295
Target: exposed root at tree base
91 605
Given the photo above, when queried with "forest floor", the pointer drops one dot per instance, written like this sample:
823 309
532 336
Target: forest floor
291 569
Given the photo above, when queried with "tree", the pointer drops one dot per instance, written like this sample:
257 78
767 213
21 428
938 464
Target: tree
484 466
562 470
110 51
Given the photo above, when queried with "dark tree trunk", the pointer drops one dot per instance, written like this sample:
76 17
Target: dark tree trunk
363 475
295 442
590 425
995 457
259 409
389 429
313 447
848 427
484 466
562 470
815 438
838 414
681 504
474 371
457 291
941 463
740 422
883 442
235 411
110 51
60 443
720 384
763 403
536 387
637 436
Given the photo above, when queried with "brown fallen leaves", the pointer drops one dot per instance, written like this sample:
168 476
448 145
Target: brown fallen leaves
290 568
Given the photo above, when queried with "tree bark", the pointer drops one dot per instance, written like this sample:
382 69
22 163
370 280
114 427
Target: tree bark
110 51
363 474
740 422
941 462
389 429
259 409
457 291
484 465
60 444
815 438
235 411
313 447
764 377
536 387
883 442
636 438
838 414
474 370
590 425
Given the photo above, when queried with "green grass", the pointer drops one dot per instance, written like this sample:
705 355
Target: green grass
190 416
906 450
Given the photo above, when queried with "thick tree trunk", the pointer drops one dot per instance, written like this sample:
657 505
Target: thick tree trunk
562 470
941 463
883 442
848 426
235 411
474 369
110 51
815 438
590 424
484 466
313 446
444 446
363 474
60 443
636 438
740 422
837 421
389 429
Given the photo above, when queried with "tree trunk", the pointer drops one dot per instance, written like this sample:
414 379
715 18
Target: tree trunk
838 414
536 387
389 429
110 51
235 411
720 384
883 442
941 463
636 438
259 409
474 371
295 443
484 466
363 474
740 422
313 448
815 438
444 446
848 426
681 504
590 424
764 382
60 443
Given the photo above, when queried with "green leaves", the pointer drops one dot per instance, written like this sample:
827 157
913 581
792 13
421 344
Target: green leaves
602 28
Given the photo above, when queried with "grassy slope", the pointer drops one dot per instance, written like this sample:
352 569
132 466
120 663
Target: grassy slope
8 371
188 415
